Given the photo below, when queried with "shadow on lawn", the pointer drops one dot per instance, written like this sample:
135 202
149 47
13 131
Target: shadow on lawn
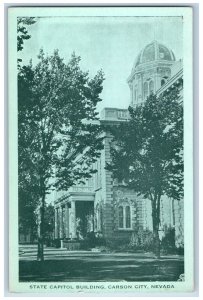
98 269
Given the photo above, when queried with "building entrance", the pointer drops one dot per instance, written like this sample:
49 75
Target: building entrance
84 218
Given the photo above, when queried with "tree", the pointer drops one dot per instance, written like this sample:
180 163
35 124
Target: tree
22 32
59 138
147 152
28 188
49 223
27 203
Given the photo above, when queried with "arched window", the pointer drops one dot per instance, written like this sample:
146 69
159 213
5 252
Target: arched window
120 217
162 82
135 96
145 90
124 217
127 217
151 87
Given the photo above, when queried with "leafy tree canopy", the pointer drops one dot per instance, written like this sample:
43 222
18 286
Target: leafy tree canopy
59 136
57 121
147 151
22 32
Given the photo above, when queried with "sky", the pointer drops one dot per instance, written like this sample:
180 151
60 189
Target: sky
108 43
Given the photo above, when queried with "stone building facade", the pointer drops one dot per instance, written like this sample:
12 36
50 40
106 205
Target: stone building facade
102 205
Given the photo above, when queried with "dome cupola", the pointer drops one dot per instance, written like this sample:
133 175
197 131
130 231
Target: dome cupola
152 52
151 70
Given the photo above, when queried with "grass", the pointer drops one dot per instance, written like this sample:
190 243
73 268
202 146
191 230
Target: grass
102 267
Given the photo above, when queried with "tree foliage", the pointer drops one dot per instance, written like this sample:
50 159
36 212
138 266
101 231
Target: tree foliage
147 151
28 185
59 136
22 32
57 107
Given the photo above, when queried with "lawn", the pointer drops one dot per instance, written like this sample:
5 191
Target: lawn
72 267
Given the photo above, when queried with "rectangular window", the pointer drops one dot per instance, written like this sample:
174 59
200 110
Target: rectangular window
63 221
122 114
58 221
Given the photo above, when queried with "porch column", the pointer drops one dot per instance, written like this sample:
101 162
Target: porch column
56 235
66 220
60 223
73 219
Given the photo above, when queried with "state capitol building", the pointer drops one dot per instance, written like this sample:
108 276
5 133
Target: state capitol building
102 204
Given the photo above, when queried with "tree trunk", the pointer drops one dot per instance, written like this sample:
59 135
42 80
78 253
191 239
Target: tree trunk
156 221
40 251
156 242
156 237
31 235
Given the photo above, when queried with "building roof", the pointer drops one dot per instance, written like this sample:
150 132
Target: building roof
153 52
176 78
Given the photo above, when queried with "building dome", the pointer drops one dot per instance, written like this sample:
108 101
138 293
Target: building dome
153 52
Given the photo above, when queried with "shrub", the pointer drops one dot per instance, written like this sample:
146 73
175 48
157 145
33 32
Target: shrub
57 243
91 241
117 244
142 240
180 250
168 241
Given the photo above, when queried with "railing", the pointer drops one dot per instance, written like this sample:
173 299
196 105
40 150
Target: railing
81 189
74 189
114 114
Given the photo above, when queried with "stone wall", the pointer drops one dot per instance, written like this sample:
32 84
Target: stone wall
109 195
106 193
179 222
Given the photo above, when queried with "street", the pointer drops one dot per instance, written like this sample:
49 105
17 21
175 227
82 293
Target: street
61 265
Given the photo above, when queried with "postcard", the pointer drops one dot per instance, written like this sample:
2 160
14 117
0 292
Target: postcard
100 103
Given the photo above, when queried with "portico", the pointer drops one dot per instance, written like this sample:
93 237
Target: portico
72 208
